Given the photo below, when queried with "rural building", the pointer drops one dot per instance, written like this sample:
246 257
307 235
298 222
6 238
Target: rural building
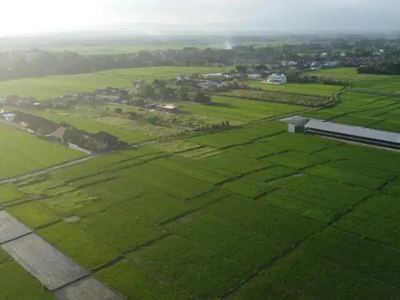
108 141
168 108
35 122
213 76
254 76
297 124
356 134
228 76
183 77
209 84
139 83
276 79
59 135
9 117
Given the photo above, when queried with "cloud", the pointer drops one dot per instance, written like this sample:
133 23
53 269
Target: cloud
283 14
47 15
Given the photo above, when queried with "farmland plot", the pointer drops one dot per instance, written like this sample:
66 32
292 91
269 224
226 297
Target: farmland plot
23 153
277 216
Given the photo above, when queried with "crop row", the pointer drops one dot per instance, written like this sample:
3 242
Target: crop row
313 208
319 277
347 177
333 194
276 223
243 245
203 274
302 143
280 97
294 159
234 163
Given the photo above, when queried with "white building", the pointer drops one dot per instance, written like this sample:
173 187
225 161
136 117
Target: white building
213 75
277 79
183 77
9 117
254 76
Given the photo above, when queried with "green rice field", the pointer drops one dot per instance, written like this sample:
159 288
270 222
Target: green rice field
380 83
372 111
248 213
53 86
22 153
310 89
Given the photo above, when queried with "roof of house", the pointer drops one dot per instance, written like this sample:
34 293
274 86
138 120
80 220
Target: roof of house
104 137
9 115
58 133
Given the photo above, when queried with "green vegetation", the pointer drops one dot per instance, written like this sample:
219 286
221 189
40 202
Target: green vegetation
288 98
365 110
18 284
22 153
382 83
53 86
248 212
194 218
120 49
309 89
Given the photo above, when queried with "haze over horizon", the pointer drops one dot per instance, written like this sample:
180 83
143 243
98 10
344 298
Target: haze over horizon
47 16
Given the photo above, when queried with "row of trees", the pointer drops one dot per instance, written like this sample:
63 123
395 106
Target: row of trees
159 91
19 64
389 68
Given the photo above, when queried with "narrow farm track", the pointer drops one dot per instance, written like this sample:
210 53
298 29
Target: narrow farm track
49 169
64 165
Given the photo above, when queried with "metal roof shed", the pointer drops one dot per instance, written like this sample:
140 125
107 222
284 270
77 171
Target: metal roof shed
354 133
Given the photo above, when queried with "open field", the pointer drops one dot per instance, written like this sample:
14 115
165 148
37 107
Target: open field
248 213
53 86
380 83
280 97
23 153
372 111
310 89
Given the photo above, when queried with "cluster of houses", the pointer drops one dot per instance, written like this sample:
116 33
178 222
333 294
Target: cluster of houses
18 101
64 133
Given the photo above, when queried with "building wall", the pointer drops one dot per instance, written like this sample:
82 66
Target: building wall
76 147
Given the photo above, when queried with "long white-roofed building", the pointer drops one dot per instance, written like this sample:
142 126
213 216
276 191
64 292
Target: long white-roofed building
276 79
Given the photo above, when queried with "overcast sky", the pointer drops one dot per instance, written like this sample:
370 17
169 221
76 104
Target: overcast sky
37 16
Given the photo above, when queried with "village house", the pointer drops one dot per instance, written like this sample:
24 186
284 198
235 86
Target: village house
168 108
9 117
276 79
107 141
213 76
209 84
139 83
255 76
183 77
228 76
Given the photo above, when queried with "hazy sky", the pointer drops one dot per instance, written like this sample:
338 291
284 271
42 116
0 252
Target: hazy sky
35 16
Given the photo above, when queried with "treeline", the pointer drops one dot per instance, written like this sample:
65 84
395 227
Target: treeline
386 68
320 80
159 90
37 63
